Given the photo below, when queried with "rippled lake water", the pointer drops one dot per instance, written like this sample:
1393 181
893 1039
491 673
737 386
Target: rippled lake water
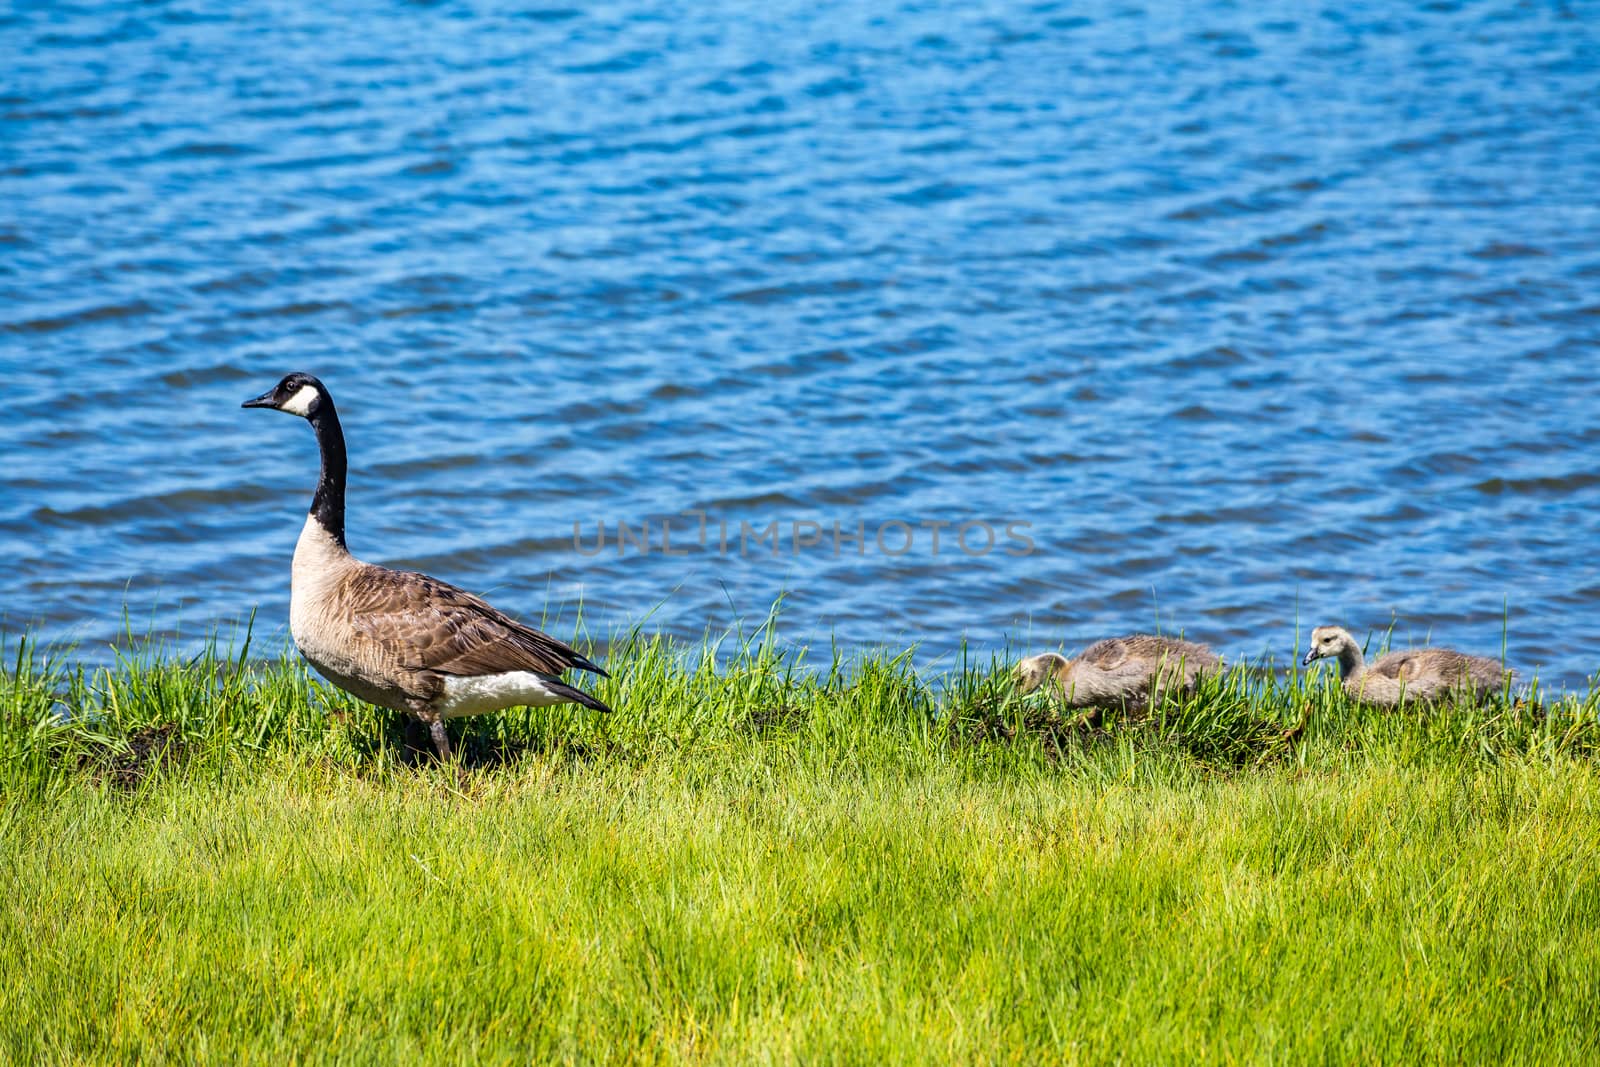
1238 314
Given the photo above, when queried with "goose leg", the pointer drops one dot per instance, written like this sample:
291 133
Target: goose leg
417 739
435 723
441 740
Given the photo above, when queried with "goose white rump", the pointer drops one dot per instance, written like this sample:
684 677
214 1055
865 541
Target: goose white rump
491 692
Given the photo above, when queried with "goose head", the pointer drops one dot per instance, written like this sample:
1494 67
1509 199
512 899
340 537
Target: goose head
1328 642
298 394
1034 671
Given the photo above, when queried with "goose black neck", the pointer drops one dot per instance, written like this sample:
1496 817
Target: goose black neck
327 506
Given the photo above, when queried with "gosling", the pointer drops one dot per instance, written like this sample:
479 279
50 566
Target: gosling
1120 671
1422 675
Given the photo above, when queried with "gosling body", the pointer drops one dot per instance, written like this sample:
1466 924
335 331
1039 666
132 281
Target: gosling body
1421 675
1120 670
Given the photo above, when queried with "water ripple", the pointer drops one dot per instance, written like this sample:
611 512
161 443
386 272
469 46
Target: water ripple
1247 318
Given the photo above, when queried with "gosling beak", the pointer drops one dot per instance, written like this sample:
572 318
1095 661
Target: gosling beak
262 401
1311 657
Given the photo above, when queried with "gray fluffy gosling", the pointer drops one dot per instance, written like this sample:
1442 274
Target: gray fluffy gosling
1120 670
1419 676
399 639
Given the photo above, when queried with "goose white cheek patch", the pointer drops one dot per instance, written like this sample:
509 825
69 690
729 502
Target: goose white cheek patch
300 403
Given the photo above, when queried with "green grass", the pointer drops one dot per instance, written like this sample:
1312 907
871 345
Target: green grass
762 859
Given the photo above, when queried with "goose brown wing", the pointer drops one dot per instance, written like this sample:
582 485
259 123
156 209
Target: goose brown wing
1404 666
1155 647
429 625
1107 654
1441 663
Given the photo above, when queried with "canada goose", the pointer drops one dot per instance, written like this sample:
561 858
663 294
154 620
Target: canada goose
1420 675
400 639
1119 670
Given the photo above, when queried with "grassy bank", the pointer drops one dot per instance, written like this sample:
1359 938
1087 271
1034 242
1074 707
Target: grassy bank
760 858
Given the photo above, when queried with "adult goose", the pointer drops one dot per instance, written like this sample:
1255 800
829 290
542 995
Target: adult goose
1420 675
1119 670
400 639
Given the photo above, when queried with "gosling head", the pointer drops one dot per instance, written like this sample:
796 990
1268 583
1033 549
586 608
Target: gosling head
298 394
1035 671
1327 642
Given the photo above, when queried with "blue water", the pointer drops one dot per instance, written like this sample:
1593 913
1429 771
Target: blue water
1241 315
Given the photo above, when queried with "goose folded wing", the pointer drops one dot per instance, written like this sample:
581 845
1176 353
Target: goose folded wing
1404 666
429 625
1419 672
1108 655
